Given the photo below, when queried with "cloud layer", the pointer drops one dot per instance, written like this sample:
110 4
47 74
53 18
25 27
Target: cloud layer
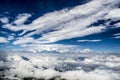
18 65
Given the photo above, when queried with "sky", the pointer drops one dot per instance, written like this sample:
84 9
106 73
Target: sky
87 24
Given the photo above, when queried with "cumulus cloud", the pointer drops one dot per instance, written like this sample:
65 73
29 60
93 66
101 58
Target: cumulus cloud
81 75
86 51
3 40
54 48
59 48
95 40
19 65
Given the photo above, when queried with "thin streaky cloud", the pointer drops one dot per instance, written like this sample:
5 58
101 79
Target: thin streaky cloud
96 40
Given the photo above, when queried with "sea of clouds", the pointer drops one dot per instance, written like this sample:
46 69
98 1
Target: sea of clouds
51 66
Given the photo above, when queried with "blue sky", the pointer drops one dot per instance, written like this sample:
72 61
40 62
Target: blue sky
87 24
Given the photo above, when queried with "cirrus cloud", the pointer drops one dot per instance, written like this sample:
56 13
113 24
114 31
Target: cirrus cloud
95 40
66 23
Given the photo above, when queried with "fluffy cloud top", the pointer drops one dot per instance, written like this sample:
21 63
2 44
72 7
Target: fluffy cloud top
18 65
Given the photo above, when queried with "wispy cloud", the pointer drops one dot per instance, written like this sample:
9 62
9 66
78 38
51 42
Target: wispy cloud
23 40
4 20
21 18
117 25
116 36
3 40
66 23
95 40
60 35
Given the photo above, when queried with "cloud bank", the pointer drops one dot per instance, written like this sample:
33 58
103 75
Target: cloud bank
17 65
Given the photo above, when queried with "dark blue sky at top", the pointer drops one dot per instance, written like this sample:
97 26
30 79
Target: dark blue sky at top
11 8
37 7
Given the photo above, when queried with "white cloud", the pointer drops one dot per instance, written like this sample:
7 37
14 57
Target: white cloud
55 48
65 24
81 75
117 25
86 51
64 34
113 14
49 66
117 37
21 18
60 48
46 74
4 20
95 40
11 37
117 34
80 17
3 40
23 40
